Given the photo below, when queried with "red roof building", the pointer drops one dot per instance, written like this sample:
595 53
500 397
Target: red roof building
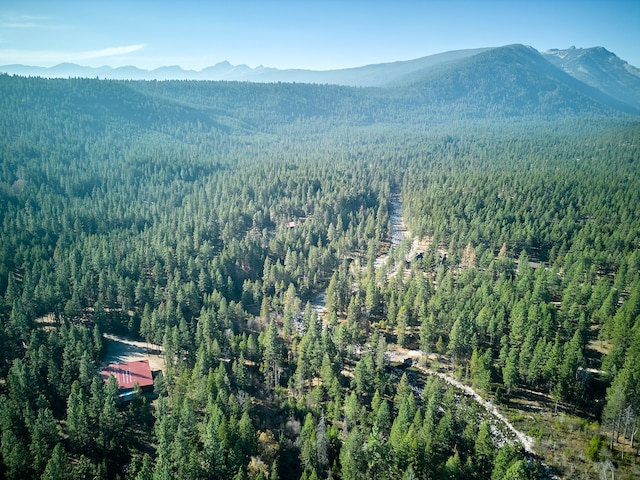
129 374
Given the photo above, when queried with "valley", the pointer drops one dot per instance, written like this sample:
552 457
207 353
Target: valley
278 250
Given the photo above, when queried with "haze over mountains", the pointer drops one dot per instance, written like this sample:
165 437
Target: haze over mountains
513 77
369 75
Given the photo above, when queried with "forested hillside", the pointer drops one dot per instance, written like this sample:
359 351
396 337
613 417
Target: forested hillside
210 218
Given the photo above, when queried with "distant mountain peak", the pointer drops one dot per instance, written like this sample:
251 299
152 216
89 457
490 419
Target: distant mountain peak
600 69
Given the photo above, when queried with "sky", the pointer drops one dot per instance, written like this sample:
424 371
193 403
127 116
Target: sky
309 34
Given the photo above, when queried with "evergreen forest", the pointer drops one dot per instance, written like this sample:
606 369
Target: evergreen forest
246 233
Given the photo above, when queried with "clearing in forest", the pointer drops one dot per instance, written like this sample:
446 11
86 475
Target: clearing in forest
121 349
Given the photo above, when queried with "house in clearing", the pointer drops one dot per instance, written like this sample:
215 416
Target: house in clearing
128 375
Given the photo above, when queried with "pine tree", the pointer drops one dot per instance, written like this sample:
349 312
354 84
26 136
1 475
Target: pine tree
484 450
77 423
402 321
308 447
427 331
271 355
110 423
453 468
58 465
510 372
322 446
15 456
44 436
352 458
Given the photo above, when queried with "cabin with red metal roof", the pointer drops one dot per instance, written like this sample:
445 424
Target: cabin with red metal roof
128 375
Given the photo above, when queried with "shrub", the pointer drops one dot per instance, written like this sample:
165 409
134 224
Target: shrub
593 449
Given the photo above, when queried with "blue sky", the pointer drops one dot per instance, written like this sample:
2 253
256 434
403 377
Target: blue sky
311 34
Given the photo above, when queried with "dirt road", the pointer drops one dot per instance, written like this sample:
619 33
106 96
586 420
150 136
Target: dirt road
121 349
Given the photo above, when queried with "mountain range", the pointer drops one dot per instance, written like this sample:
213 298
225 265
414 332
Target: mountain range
366 76
509 78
